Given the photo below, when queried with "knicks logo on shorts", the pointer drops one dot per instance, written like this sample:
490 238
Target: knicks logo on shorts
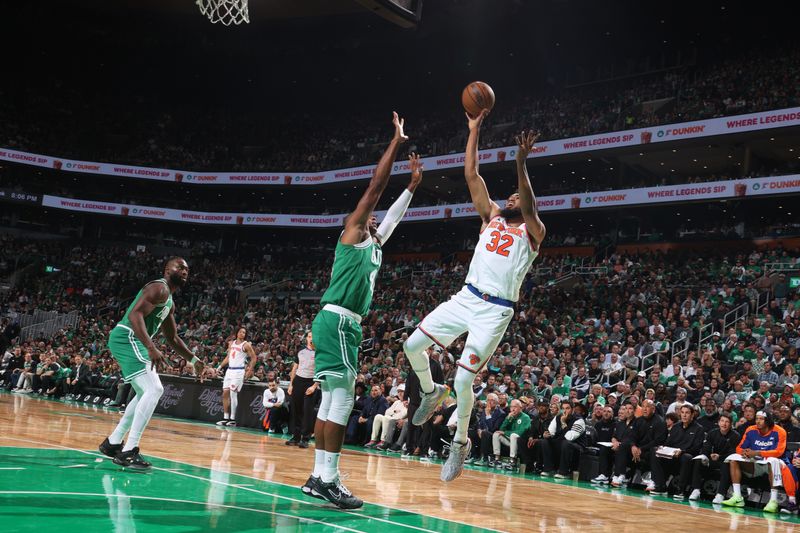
474 359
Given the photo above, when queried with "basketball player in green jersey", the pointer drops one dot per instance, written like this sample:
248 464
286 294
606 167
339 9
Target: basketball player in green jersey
337 327
131 344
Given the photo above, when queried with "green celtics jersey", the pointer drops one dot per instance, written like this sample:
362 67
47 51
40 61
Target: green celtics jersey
153 321
355 268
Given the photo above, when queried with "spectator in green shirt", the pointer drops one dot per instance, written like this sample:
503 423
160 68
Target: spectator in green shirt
740 353
513 427
559 388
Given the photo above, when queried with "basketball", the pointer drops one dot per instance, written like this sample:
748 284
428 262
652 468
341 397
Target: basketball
476 97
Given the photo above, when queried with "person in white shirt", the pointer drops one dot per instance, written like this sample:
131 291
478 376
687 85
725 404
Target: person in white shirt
384 425
680 401
614 371
675 369
656 327
275 403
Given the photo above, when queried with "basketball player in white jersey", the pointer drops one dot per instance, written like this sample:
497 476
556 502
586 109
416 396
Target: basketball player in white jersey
238 371
509 242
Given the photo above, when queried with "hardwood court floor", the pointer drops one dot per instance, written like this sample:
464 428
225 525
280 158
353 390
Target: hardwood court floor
206 478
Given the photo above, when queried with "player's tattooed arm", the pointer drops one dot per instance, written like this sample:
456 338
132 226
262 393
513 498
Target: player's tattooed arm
356 228
527 200
487 209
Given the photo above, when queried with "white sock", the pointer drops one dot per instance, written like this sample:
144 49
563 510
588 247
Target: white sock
234 404
125 423
151 390
330 469
737 489
792 499
414 349
226 416
773 494
319 463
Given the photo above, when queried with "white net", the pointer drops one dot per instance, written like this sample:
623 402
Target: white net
226 12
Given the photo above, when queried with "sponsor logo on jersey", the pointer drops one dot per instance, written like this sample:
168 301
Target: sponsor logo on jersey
474 359
763 443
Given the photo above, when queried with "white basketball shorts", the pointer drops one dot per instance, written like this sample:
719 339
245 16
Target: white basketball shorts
234 379
485 322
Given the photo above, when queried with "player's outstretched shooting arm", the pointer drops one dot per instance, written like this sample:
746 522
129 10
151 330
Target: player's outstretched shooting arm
398 209
487 209
356 224
527 200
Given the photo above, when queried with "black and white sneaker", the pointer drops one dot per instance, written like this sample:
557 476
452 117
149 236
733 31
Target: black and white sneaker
339 495
311 487
132 460
110 450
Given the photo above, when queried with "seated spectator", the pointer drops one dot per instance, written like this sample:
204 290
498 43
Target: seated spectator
747 419
274 401
531 453
709 415
542 391
24 376
514 426
384 425
631 363
760 453
78 379
769 375
564 440
720 443
787 422
651 432
680 401
490 417
374 404
581 382
619 451
686 438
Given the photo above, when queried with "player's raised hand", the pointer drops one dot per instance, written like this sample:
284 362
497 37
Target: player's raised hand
526 142
416 169
398 122
475 122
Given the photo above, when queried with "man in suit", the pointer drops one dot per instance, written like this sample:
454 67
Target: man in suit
78 379
374 404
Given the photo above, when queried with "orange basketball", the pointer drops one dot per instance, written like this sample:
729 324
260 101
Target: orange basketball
476 97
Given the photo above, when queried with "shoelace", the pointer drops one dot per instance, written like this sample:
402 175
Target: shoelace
344 490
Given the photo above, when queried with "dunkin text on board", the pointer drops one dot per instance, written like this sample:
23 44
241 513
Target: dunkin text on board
602 141
717 190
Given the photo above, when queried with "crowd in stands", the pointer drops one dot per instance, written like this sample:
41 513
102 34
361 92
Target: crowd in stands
146 134
581 364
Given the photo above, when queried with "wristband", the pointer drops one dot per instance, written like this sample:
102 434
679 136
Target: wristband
195 360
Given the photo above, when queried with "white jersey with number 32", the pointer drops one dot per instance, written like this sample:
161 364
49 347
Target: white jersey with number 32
501 259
